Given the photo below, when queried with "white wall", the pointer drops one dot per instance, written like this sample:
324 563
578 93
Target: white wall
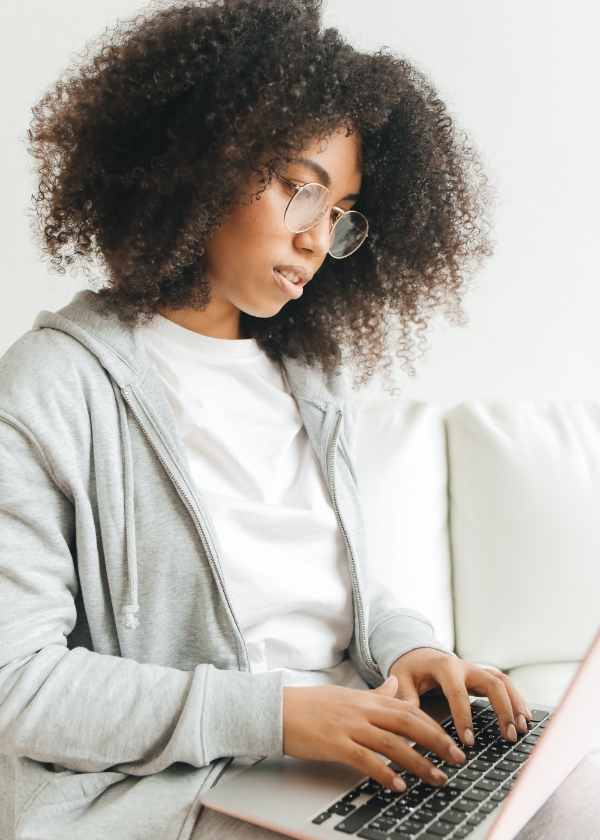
523 75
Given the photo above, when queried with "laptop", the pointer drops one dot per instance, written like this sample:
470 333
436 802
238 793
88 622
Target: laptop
492 795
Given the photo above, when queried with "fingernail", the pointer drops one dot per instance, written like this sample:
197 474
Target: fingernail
511 732
399 784
456 754
468 737
528 712
521 723
438 776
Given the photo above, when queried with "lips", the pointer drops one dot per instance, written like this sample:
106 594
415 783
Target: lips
291 279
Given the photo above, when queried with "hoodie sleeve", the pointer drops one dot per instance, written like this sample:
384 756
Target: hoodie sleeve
89 711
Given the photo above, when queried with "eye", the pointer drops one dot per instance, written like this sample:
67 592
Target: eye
291 187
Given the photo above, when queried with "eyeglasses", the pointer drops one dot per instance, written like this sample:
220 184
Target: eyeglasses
310 202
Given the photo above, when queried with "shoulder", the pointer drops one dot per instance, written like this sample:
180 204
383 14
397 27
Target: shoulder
47 376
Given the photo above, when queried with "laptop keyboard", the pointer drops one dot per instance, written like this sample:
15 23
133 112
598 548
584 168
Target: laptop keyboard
424 812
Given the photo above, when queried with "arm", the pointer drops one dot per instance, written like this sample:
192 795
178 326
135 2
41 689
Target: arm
88 711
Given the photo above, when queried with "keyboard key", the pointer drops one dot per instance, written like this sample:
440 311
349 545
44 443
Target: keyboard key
383 824
500 795
455 817
350 797
448 769
463 832
373 834
480 765
497 775
476 795
486 784
354 821
517 756
465 805
543 723
446 794
488 807
424 815
436 804
523 748
532 739
458 784
538 714
342 808
417 795
441 828
470 775
380 801
476 819
507 766
369 787
398 812
322 817
409 827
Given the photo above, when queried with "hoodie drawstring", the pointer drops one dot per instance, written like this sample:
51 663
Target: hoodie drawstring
130 610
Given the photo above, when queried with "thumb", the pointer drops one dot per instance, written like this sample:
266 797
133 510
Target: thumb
407 691
388 688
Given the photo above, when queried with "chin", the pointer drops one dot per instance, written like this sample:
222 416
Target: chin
263 310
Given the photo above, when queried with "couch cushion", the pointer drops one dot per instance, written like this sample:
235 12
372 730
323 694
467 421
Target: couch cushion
525 525
545 683
401 469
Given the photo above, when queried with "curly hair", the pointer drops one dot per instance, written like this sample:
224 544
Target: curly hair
150 139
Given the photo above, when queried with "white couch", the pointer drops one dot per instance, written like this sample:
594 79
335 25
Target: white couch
488 521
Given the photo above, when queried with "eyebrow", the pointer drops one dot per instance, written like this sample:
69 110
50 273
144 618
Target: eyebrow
323 176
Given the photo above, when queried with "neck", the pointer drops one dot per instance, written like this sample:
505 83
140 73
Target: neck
214 321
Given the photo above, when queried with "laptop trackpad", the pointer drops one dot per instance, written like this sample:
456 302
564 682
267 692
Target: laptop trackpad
283 791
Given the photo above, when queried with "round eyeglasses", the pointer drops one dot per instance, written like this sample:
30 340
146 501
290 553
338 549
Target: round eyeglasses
308 205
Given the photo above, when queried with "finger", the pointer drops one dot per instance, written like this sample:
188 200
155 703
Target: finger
407 691
367 762
491 684
393 747
520 709
452 681
412 723
388 688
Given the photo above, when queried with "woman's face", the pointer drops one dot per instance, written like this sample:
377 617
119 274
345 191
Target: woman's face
245 255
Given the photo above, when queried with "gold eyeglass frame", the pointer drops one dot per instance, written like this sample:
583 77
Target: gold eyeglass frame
340 212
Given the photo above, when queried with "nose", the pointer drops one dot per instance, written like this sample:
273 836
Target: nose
316 240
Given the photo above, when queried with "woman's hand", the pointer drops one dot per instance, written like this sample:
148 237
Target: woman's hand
331 723
421 669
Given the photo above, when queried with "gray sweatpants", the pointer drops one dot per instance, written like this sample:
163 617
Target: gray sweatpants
572 813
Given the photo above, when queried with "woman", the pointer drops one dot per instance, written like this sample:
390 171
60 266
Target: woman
184 575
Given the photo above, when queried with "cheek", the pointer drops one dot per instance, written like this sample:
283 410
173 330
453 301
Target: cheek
249 233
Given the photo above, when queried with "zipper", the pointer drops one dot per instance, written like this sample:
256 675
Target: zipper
359 605
216 782
205 541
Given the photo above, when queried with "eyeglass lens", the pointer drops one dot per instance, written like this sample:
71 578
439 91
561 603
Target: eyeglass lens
349 232
307 208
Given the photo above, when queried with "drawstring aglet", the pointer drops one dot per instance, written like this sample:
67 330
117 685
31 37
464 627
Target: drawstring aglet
130 616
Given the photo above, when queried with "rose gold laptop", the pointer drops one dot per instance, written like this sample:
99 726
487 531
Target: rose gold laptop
492 795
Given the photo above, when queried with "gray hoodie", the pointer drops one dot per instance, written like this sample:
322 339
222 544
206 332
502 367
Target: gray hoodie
125 685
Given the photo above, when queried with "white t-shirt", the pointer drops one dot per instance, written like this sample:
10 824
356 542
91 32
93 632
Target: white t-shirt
283 555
